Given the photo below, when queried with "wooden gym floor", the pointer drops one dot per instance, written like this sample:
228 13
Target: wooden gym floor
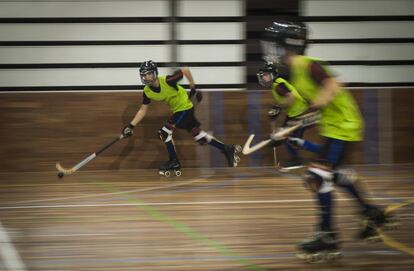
207 219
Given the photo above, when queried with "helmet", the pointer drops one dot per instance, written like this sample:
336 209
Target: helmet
148 67
281 36
266 74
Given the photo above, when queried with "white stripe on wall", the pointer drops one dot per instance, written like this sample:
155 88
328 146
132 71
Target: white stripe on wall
84 54
90 31
375 74
211 53
361 51
210 31
208 8
110 76
356 7
360 30
34 9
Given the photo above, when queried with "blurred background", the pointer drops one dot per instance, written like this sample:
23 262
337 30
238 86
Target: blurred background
69 75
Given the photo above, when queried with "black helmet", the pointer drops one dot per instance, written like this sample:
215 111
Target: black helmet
281 36
266 74
148 67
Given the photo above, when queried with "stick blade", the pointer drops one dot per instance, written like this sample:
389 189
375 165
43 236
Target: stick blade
248 149
63 170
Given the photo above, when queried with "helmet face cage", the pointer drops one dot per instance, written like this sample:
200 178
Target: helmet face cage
265 78
144 77
266 75
283 36
148 68
272 52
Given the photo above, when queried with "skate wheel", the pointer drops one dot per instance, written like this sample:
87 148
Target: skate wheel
312 258
167 174
237 159
374 239
178 173
391 226
316 258
333 256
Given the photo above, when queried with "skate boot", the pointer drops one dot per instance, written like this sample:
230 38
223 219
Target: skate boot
324 247
171 166
376 220
230 151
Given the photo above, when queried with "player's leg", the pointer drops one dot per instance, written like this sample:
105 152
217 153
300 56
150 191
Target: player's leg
192 125
325 243
374 217
173 164
304 144
294 161
229 151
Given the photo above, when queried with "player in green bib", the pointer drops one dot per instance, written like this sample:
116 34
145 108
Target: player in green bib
166 89
288 100
341 124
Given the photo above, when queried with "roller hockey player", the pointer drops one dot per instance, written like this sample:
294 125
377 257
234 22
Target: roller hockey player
167 89
287 100
341 124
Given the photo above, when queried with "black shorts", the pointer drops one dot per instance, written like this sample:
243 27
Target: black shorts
184 120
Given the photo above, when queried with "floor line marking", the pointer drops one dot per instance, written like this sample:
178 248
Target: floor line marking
118 193
8 252
184 203
185 229
390 242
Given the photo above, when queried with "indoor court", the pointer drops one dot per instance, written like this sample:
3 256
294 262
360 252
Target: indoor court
207 219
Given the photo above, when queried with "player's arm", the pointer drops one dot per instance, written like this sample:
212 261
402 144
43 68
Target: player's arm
139 115
128 130
288 97
193 92
329 86
187 74
288 100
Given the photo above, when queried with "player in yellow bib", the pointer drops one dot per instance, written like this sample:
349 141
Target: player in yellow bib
341 124
166 89
288 100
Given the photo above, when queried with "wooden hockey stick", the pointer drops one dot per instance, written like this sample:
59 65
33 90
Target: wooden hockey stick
276 163
301 121
279 135
67 171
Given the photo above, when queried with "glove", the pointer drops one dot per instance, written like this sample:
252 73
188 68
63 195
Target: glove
274 112
296 141
198 95
128 130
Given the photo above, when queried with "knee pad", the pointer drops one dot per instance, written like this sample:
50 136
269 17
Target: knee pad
345 177
319 180
201 137
165 134
349 177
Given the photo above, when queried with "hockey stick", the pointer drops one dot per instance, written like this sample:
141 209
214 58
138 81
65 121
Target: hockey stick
280 135
301 121
69 171
275 161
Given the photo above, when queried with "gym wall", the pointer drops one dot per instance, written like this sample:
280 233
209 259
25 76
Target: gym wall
69 80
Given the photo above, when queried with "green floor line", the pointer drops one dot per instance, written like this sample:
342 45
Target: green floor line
181 227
